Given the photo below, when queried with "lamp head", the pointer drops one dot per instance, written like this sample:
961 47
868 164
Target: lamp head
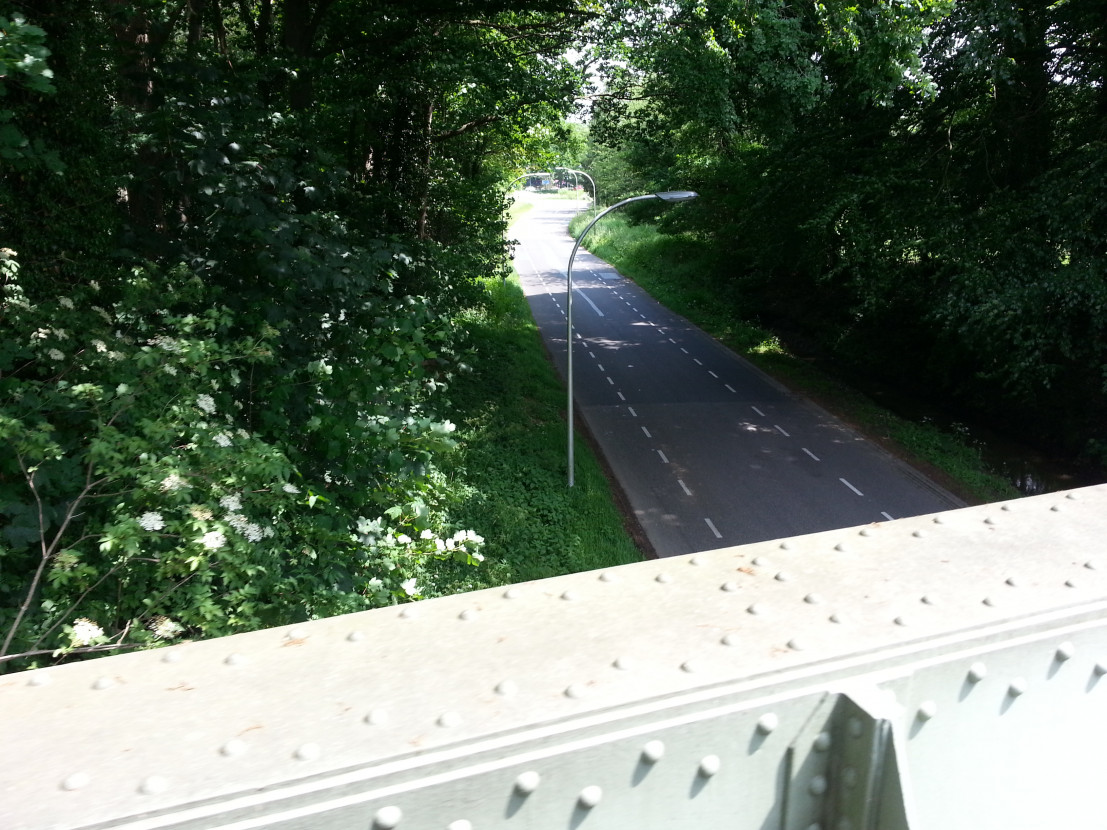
677 195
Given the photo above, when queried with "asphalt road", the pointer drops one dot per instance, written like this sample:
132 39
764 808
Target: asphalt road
709 451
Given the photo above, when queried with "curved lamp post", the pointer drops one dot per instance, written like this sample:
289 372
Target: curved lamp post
665 196
595 196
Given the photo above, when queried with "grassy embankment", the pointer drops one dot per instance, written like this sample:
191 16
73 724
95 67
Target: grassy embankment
671 269
512 458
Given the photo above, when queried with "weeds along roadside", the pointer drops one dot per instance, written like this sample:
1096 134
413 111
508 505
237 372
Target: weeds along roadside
671 269
512 458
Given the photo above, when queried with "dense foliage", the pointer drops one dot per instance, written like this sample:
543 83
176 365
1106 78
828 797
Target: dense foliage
916 190
236 238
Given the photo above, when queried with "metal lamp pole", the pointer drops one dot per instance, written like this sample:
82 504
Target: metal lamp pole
595 195
665 196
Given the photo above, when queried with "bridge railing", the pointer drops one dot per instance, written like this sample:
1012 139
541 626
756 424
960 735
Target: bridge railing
938 672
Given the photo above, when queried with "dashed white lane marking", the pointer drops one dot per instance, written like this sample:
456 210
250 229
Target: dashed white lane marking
712 374
622 397
684 350
850 486
811 453
647 432
697 361
600 365
886 516
672 341
782 431
633 414
588 300
609 380
591 355
731 388
684 487
664 458
714 529
758 411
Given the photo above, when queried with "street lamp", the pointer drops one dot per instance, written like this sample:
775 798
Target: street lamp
665 196
595 195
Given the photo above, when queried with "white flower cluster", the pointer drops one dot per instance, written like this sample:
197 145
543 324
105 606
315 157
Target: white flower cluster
172 483
410 587
151 521
206 403
222 439
213 540
231 502
252 531
167 343
85 631
164 628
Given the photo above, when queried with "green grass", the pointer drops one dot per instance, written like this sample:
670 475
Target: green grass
672 269
511 416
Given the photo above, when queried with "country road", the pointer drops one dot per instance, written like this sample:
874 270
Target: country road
709 451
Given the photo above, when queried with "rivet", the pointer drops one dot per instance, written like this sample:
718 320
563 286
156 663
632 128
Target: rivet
767 723
467 614
460 824
989 521
1070 583
511 593
781 576
795 645
835 617
38 678
818 785
901 621
307 752
653 751
1017 687
387 817
710 765
1100 669
729 587
918 534
785 545
927 710
1006 508
759 561
662 577
977 672
1012 581
233 747
377 717
355 636
527 782
408 613
1055 508
849 777
590 796
864 532
507 688
76 781
449 719
103 683
569 595
841 547
623 663
812 599
575 690
690 666
1091 565
822 742
1065 651
172 655
607 576
938 520
235 659
153 784
730 639
928 599
1072 496
695 560
756 609
989 602
296 634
